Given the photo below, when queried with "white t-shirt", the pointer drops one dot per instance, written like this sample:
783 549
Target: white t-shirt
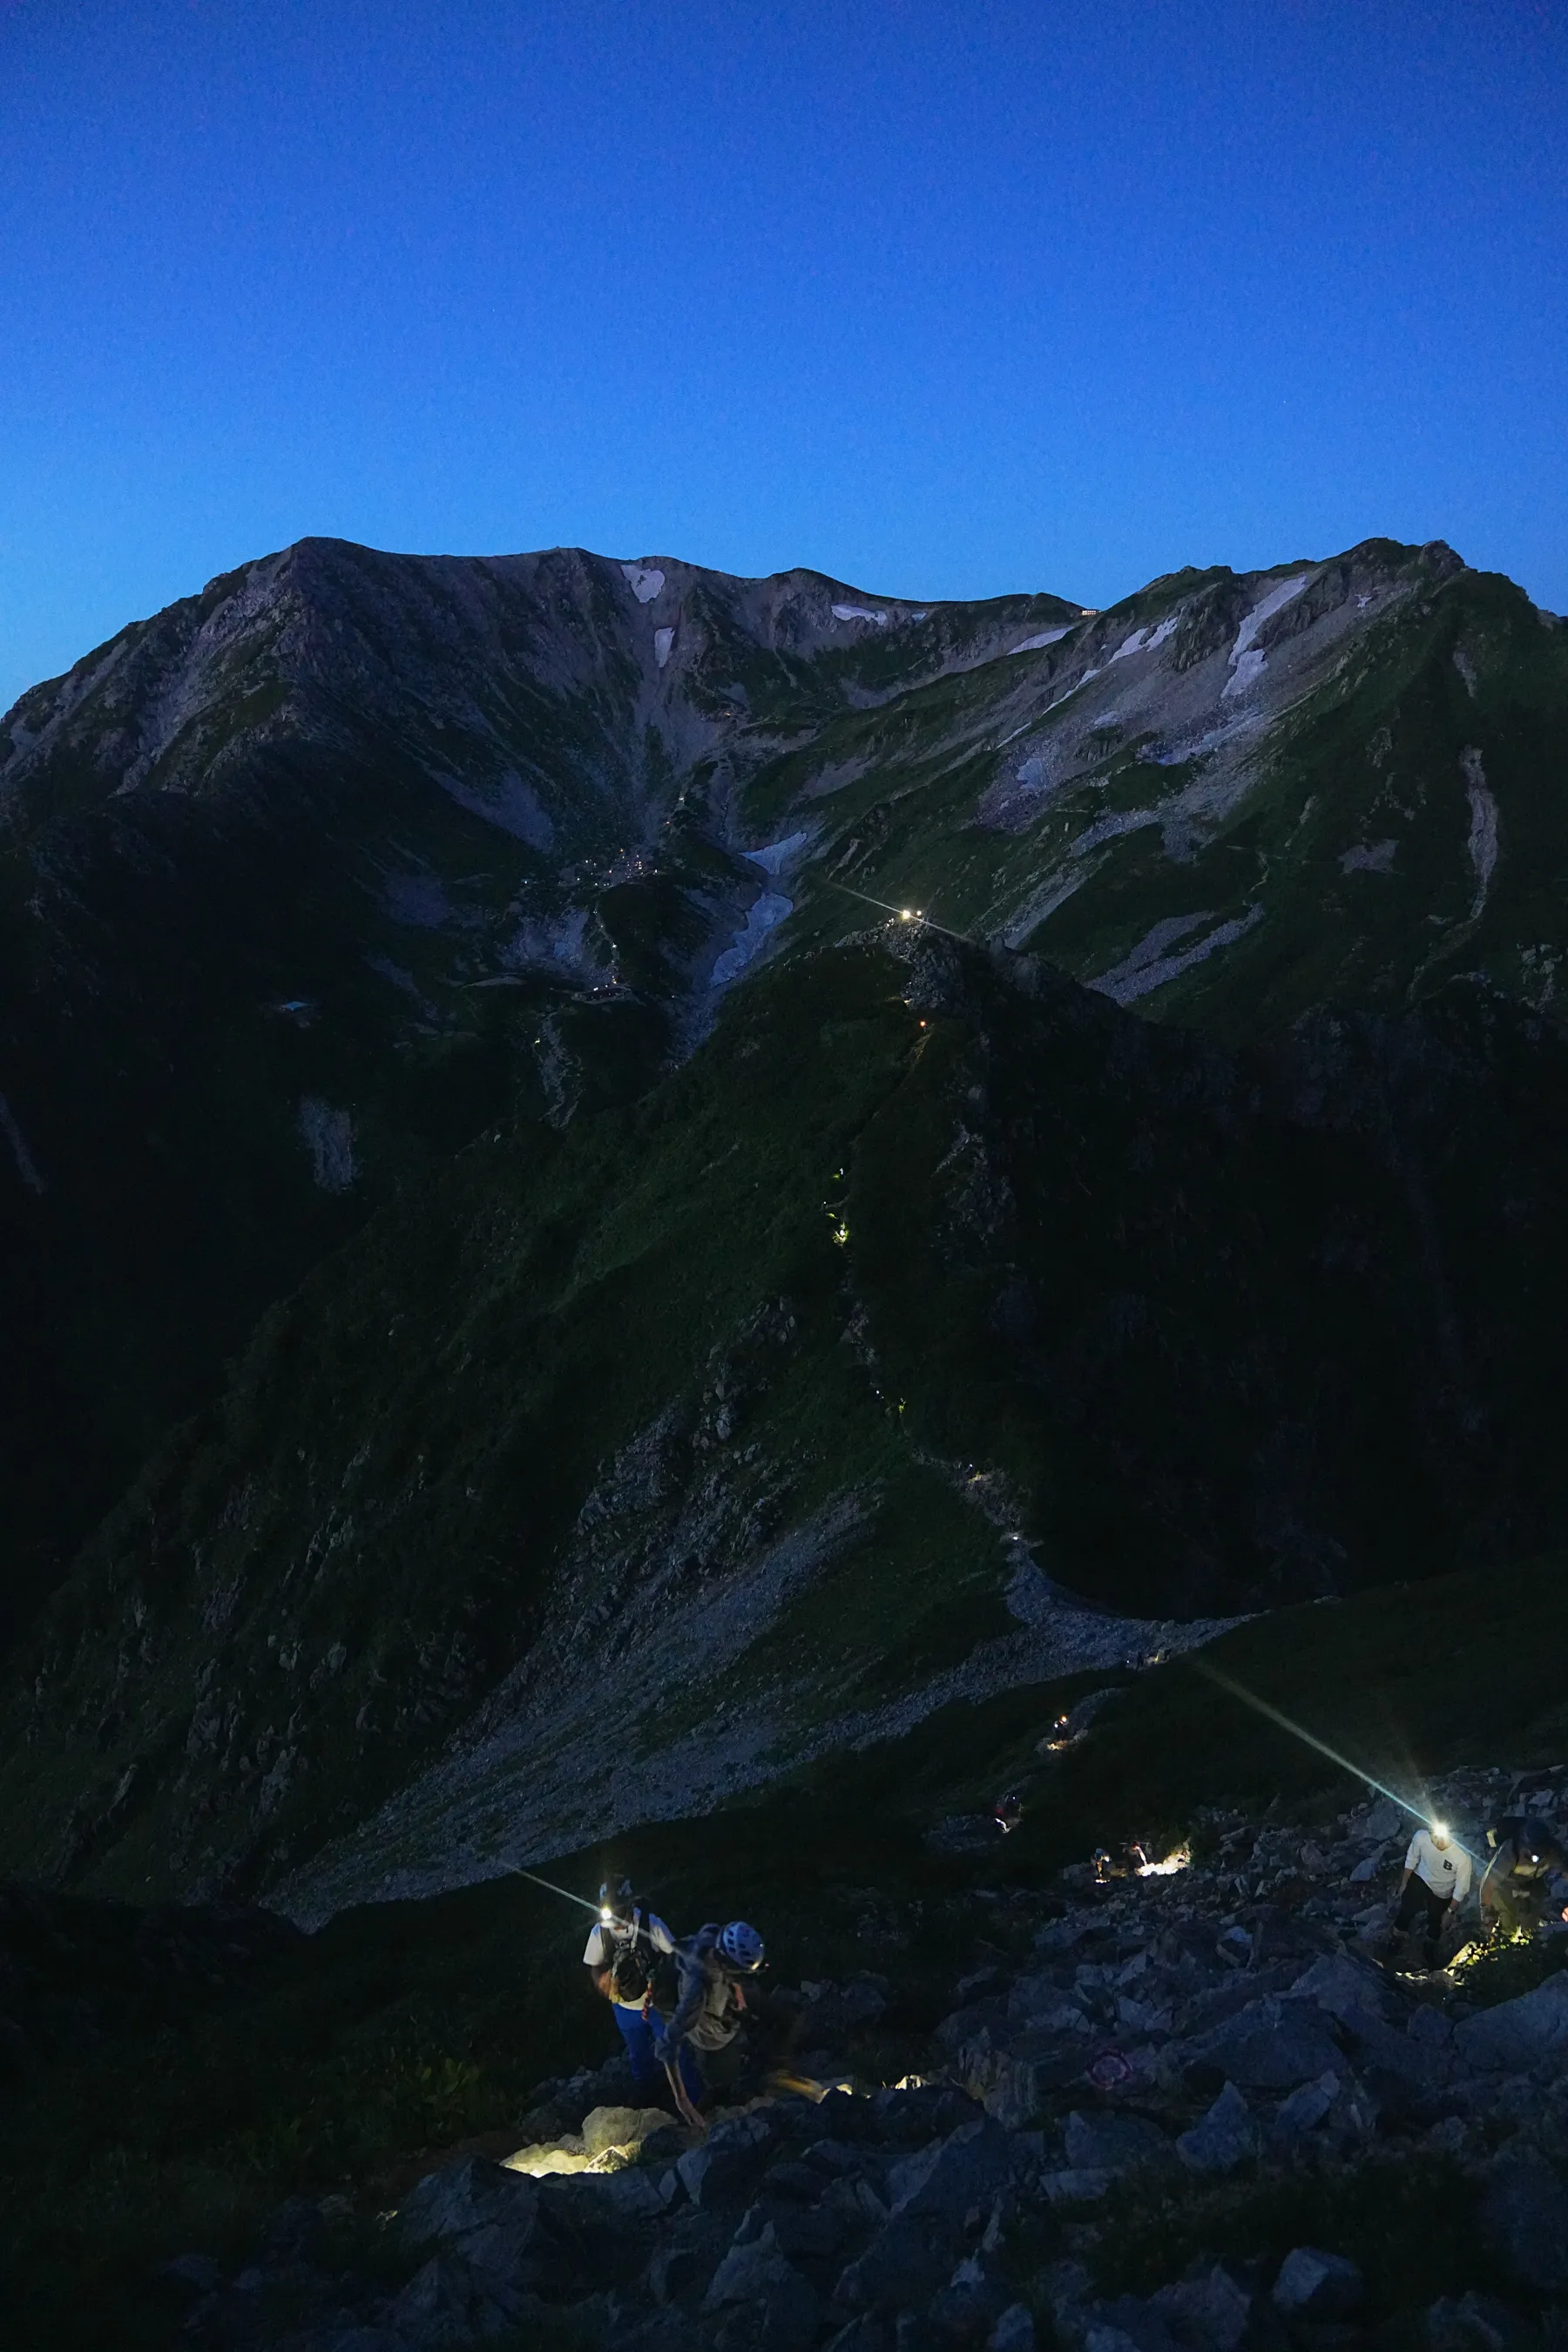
603 1941
1445 1869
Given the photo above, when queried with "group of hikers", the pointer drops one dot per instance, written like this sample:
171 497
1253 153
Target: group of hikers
1526 1865
679 2003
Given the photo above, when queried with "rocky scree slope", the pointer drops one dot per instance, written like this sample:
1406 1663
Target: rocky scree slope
1180 2113
310 877
934 1296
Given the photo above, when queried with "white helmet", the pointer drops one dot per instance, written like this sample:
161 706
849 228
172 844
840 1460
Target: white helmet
741 1945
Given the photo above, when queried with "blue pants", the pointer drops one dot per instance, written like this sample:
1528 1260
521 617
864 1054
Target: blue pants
638 2034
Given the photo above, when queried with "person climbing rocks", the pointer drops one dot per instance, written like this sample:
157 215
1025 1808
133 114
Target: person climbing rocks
1437 1877
713 1967
621 1956
1525 1853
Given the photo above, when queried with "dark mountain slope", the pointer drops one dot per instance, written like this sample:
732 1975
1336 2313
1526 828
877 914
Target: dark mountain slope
314 877
708 1419
305 881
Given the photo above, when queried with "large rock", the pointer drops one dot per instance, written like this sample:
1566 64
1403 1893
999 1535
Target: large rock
1270 2045
483 2216
1477 2323
1076 2185
954 2174
1222 2139
1126 2325
1524 2221
757 2274
637 2192
805 2234
688 2251
466 2197
900 2270
449 2303
1312 2284
1113 2143
1306 2107
724 2169
969 2305
1213 2311
1345 1987
968 2024
1040 2000
627 2127
1420 2063
1014 2331
1527 2034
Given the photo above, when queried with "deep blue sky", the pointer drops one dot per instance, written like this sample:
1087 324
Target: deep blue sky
945 297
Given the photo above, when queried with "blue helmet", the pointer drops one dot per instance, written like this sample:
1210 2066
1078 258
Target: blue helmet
741 1946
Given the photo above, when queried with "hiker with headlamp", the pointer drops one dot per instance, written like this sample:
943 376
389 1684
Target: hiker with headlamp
1526 1854
624 1948
1436 1877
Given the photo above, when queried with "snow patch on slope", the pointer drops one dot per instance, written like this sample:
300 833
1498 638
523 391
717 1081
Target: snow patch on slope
1046 637
644 580
766 913
766 916
774 855
1482 842
1150 966
858 613
1143 641
1245 661
662 641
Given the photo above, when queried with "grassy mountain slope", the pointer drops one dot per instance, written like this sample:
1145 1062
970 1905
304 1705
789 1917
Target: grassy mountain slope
719 1419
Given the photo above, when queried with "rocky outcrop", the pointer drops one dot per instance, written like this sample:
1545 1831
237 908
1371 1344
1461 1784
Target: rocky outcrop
987 2204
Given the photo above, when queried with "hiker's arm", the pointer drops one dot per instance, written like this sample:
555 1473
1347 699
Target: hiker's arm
693 1984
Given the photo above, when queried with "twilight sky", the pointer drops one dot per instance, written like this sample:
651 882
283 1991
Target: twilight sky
942 297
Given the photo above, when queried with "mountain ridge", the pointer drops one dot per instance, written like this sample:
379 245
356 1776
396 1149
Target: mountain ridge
461 1009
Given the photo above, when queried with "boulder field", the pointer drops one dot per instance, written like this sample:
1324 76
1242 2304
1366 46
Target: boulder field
1188 2107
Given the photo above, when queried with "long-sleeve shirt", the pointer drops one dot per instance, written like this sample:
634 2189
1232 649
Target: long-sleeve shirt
707 2014
1445 1869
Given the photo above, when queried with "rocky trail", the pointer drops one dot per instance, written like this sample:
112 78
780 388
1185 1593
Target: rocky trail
1186 2107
